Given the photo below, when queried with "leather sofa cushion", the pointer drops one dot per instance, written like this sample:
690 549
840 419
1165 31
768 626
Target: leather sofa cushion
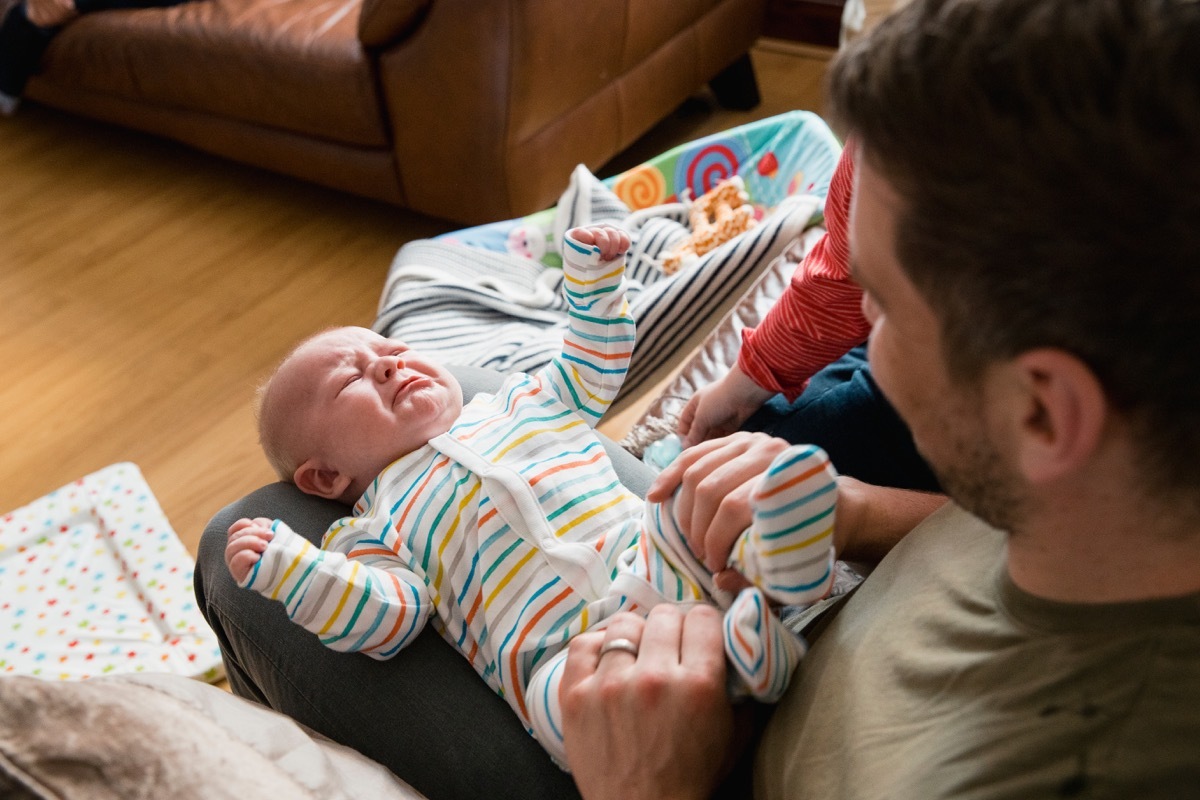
297 65
383 22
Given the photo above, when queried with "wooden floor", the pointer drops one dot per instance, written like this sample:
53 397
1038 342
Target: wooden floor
146 289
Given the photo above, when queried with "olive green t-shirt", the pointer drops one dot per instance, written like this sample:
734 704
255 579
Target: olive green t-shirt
939 678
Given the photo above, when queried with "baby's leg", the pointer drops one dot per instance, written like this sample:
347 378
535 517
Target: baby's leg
659 570
545 713
788 550
788 554
762 652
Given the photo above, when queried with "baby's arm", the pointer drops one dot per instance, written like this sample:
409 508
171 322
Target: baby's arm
351 605
598 344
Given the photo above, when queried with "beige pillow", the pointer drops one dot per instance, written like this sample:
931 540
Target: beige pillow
166 736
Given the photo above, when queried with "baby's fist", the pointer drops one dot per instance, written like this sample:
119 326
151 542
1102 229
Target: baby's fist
248 538
611 241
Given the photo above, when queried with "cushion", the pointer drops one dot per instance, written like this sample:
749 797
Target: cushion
94 581
158 735
289 64
381 22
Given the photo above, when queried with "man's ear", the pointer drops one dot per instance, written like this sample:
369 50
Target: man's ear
1063 412
314 478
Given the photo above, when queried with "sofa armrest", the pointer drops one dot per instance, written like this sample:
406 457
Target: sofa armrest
383 22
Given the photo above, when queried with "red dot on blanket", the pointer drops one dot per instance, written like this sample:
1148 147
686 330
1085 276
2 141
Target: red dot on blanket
768 165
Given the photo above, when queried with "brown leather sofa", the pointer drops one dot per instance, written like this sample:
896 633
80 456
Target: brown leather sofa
472 110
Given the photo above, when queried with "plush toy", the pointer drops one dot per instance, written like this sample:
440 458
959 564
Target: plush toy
527 241
716 217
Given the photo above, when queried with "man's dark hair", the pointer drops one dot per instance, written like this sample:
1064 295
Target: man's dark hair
1047 154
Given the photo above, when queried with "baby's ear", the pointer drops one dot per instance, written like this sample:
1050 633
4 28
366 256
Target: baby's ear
313 478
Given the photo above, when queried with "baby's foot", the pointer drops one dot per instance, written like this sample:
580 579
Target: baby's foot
762 652
788 550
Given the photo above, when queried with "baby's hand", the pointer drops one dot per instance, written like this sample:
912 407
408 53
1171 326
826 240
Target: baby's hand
248 538
611 241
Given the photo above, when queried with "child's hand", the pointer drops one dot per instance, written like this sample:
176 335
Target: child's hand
248 538
610 240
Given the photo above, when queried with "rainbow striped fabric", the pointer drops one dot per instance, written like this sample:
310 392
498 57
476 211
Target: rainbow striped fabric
432 536
511 532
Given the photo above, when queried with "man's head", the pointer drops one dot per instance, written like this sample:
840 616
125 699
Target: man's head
1040 163
348 402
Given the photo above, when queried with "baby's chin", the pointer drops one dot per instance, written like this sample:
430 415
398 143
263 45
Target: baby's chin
436 407
436 394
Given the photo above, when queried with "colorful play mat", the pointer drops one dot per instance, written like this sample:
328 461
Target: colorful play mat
93 581
778 157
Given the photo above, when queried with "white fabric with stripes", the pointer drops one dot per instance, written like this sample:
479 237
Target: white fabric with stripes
787 554
475 307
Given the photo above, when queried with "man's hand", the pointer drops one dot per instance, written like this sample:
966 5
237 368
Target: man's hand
248 539
653 725
715 480
721 407
611 241
50 13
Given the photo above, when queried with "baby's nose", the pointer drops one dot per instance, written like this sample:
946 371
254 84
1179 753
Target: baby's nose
386 367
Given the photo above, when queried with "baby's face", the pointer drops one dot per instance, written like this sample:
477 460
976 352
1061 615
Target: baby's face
362 401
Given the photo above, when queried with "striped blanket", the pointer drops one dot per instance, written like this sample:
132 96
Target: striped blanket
504 311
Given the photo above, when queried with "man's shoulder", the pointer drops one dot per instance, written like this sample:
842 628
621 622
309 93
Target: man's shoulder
950 543
936 689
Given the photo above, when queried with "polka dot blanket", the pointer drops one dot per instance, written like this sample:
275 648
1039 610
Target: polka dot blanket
93 581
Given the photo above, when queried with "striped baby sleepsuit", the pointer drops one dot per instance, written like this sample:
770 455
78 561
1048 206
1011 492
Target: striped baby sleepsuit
512 532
